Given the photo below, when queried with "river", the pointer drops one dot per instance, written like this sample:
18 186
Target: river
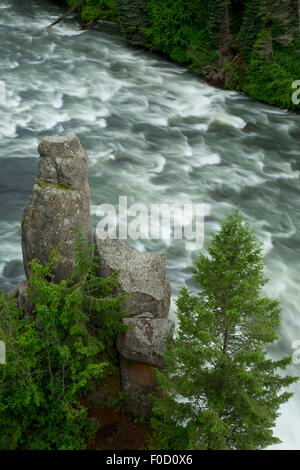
154 133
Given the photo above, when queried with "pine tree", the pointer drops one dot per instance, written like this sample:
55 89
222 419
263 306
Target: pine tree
217 14
220 390
263 47
219 24
282 17
251 25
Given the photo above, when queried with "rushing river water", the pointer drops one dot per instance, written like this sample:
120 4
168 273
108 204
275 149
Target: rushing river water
156 134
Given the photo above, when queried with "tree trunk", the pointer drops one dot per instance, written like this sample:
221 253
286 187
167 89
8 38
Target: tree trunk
62 17
227 16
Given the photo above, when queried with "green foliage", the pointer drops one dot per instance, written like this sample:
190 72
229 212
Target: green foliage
270 78
55 354
252 46
92 10
234 76
117 403
175 26
215 18
250 27
221 391
201 56
120 404
138 419
273 85
61 186
133 20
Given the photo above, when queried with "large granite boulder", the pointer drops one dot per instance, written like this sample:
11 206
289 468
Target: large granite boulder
145 340
59 205
142 275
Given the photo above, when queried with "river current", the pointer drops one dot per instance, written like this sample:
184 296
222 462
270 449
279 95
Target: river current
154 133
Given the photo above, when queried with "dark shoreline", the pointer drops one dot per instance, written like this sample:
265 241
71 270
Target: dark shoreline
114 26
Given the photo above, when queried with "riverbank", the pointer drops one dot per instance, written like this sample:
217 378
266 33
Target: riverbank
253 47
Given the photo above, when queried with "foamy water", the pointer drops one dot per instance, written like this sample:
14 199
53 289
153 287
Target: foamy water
155 134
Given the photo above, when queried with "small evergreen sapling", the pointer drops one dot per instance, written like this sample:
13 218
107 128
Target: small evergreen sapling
221 391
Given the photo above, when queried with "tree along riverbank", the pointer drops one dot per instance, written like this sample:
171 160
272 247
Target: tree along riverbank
249 46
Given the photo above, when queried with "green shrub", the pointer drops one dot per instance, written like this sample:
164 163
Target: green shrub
55 354
234 76
269 77
133 20
175 27
268 81
92 10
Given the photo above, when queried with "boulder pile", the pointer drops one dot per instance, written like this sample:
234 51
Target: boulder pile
57 210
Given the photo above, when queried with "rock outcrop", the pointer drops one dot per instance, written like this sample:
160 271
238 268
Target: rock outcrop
144 341
59 205
143 279
142 275
57 210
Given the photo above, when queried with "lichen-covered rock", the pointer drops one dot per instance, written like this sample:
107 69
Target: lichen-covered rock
145 340
64 161
59 205
142 275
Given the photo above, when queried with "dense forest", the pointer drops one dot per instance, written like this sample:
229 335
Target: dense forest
245 45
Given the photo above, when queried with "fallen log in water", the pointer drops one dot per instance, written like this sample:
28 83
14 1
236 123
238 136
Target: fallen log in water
62 17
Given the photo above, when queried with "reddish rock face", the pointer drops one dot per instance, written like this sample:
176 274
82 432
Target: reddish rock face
141 373
138 381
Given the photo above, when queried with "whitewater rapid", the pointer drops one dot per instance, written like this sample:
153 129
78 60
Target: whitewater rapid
156 134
